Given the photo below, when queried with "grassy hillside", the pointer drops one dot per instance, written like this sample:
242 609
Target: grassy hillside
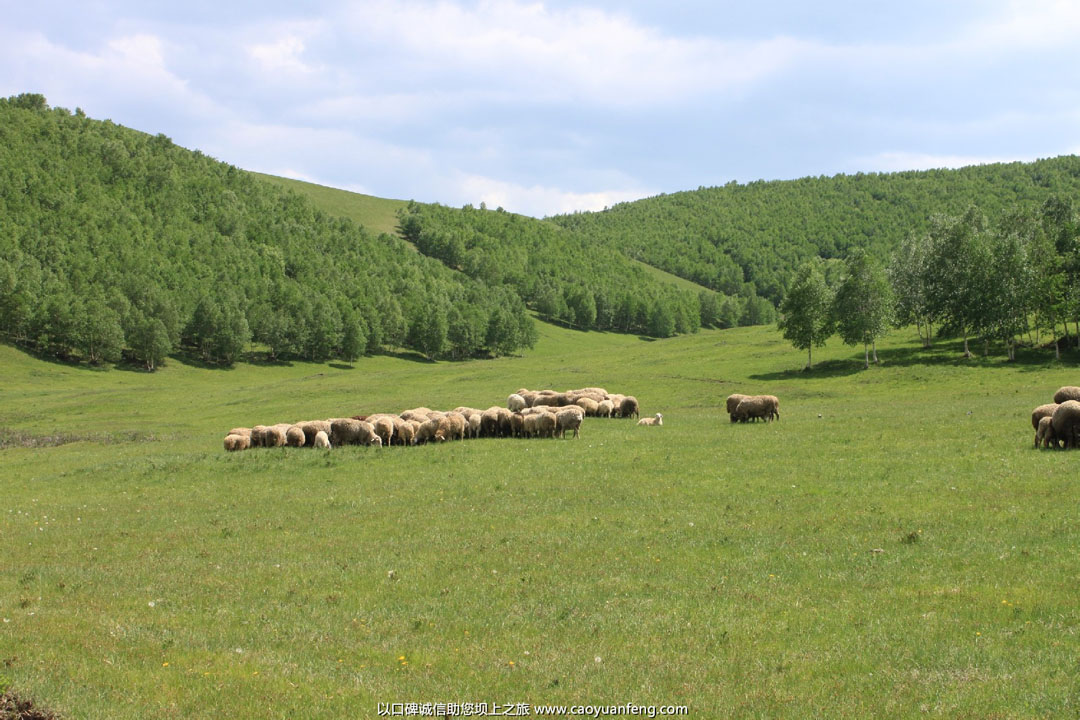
759 232
379 215
891 547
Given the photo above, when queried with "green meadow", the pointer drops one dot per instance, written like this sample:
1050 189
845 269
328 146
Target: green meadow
892 547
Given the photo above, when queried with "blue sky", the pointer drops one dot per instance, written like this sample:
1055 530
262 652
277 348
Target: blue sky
553 107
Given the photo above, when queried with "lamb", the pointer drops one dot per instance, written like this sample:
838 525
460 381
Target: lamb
656 421
515 402
235 441
567 419
605 408
346 431
1044 433
1066 422
1069 392
629 406
321 440
294 436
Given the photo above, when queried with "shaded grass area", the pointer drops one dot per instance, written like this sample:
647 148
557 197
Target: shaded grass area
892 547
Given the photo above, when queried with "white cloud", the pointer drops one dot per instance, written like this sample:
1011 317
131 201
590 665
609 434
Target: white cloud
537 200
281 55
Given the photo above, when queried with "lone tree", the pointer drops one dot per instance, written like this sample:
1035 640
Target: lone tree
863 307
806 312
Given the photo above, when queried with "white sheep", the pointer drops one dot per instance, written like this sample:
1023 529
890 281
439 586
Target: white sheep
658 420
321 440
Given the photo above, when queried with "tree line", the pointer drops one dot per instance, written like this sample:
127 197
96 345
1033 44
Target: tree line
115 243
1008 282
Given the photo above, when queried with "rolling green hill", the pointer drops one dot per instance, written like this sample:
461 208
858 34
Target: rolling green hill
379 215
759 232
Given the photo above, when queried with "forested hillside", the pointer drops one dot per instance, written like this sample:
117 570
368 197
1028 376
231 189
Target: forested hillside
758 233
562 276
113 241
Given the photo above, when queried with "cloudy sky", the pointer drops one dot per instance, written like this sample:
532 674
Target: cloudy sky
549 107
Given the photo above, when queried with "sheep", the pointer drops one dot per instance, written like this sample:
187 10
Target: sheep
588 405
658 420
529 396
592 391
346 431
426 432
515 402
505 427
774 406
530 425
419 414
235 441
546 400
629 406
489 422
474 425
1040 412
458 424
605 408
384 427
752 408
406 433
311 428
616 403
546 424
517 425
321 440
246 432
733 401
294 436
267 436
567 419
1066 422
1069 392
1044 434
258 436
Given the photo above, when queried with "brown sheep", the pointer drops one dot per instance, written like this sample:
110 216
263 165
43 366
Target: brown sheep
1040 412
1044 434
752 408
489 422
234 442
1066 423
505 427
733 401
545 400
1069 392
629 406
346 431
294 436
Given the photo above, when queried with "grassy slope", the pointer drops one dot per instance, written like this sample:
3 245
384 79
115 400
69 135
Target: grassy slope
379 214
376 214
891 547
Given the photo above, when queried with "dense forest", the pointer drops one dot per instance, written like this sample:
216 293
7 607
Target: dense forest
756 234
114 242
586 284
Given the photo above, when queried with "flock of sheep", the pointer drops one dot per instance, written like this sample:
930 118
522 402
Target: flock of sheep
528 413
1057 424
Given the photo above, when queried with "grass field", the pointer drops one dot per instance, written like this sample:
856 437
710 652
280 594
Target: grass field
892 547
376 214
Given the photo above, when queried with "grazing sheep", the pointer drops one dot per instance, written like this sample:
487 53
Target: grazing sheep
1069 392
419 414
426 432
629 406
1040 412
546 400
1066 422
605 408
406 433
246 432
384 427
774 405
321 440
235 441
489 422
530 425
752 408
272 436
546 423
515 402
588 405
346 431
567 419
616 403
458 423
1044 434
658 420
311 428
474 425
258 436
517 425
733 401
529 396
294 436
505 427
